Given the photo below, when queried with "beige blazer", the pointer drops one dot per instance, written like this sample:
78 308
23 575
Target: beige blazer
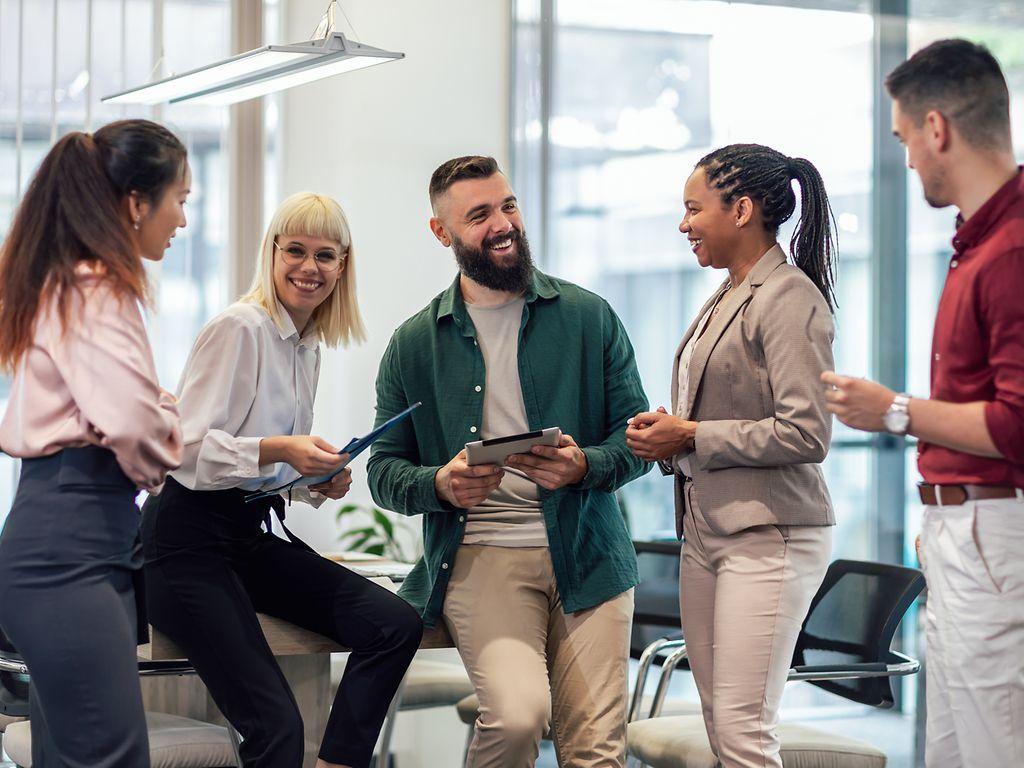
754 389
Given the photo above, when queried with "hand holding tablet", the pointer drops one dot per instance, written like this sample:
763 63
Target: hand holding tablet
497 450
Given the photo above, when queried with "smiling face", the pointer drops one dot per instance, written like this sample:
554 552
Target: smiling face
481 221
158 223
302 286
709 225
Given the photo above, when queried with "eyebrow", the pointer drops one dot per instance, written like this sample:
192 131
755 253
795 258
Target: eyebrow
485 206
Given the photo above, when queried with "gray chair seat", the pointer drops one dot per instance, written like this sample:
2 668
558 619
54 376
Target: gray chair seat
427 684
6 720
682 742
434 684
174 742
469 708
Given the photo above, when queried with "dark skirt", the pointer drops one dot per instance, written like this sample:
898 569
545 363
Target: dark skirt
69 557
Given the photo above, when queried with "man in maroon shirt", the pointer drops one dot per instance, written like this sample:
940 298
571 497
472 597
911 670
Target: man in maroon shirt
951 111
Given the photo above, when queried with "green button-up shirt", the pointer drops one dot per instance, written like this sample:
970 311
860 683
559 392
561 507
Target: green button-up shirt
577 372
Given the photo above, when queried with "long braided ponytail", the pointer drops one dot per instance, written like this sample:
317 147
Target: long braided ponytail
765 176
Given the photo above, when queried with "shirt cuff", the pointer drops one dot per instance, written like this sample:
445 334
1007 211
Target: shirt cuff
248 458
1006 430
426 494
597 468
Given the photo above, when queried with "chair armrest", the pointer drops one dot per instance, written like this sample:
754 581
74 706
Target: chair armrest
658 647
667 668
9 664
907 666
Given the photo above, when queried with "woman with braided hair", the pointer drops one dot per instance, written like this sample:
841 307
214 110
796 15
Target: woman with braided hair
747 436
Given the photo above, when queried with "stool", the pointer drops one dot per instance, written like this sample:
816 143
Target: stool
174 742
682 742
427 684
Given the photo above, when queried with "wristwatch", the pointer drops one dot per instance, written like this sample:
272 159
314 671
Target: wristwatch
897 418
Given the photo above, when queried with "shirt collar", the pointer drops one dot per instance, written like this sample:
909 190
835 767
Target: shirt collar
452 304
971 232
287 330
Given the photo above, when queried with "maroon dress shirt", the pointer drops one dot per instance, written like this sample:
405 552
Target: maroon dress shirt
978 345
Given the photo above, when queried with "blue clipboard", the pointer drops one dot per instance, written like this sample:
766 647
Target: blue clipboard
355 446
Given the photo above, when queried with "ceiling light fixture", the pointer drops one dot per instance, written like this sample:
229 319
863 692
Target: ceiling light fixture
262 70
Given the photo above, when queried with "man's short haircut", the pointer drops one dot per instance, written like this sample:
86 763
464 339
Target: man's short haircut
457 169
963 82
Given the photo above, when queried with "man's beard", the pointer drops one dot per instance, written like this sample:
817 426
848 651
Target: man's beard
478 265
934 188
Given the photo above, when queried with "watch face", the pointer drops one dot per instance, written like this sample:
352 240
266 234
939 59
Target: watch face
896 422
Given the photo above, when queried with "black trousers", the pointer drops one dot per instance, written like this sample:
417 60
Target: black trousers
210 568
68 554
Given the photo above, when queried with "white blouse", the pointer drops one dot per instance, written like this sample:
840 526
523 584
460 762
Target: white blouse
245 379
682 459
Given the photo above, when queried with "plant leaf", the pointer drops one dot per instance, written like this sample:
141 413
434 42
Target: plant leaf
384 522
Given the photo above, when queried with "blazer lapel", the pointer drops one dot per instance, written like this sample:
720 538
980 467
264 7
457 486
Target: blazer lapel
727 311
682 344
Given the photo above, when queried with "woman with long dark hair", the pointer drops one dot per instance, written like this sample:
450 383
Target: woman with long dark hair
91 425
747 436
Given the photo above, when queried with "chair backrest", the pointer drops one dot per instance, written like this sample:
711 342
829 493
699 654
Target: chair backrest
852 620
656 597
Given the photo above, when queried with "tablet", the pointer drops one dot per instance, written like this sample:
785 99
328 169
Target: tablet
496 451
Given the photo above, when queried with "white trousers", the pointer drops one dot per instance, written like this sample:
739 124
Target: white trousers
973 559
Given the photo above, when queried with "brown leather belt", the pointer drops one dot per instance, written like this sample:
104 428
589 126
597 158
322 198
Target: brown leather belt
952 495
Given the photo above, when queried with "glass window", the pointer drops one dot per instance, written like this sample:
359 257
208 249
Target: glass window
190 284
637 98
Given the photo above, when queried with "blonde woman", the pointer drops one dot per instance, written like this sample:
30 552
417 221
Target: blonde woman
246 396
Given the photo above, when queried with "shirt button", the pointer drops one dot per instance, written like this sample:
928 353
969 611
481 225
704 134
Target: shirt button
472 429
937 355
953 264
462 518
478 387
474 342
444 566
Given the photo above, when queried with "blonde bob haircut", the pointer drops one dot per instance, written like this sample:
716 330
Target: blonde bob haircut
305 213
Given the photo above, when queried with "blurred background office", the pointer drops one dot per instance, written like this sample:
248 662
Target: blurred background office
598 109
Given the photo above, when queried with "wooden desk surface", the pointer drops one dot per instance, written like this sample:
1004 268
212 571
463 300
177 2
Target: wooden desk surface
286 639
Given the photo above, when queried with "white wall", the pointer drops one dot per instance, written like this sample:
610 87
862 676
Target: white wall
371 139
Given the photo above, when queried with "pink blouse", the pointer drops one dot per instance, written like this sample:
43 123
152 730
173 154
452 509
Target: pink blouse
93 383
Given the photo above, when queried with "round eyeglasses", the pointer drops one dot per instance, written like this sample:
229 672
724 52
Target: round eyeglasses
326 259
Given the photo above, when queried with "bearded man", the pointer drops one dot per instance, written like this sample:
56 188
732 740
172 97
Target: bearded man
529 565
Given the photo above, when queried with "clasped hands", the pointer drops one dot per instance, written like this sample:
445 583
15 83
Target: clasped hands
657 435
464 486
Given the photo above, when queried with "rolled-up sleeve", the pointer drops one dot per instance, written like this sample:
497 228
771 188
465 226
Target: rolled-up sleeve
216 394
1002 289
107 364
611 464
396 479
796 333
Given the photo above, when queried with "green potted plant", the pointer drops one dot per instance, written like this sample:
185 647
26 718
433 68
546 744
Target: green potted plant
373 531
